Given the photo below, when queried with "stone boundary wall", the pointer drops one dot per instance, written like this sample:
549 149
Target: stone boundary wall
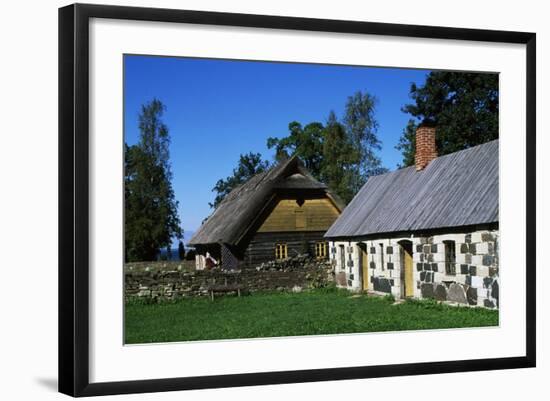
161 265
165 285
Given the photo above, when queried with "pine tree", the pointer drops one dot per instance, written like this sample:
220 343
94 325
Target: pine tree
407 144
151 219
463 106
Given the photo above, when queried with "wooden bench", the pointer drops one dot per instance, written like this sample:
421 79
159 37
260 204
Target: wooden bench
224 288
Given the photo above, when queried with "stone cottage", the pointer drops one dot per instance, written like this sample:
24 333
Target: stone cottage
425 231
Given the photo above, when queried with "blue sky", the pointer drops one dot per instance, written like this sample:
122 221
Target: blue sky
218 109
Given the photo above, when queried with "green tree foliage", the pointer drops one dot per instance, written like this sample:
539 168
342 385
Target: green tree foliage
190 255
407 144
341 154
151 219
340 159
362 127
306 142
181 251
249 165
463 106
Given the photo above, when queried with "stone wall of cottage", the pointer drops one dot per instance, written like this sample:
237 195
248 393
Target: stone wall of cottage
475 281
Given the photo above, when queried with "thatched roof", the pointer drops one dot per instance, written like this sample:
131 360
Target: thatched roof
240 208
458 189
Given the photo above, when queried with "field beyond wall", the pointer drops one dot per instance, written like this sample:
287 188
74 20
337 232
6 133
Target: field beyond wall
321 311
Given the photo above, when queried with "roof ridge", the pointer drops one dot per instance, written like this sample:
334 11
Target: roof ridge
240 206
457 189
438 158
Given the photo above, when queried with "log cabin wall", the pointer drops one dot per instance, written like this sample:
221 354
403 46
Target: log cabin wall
262 247
298 224
312 215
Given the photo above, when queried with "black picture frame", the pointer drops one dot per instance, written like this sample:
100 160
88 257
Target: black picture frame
74 198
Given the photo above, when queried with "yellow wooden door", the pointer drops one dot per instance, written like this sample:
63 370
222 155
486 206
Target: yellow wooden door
365 268
409 291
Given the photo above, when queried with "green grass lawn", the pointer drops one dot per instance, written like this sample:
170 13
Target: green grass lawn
291 314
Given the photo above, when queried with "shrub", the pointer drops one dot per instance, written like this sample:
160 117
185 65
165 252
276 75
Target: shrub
181 251
190 255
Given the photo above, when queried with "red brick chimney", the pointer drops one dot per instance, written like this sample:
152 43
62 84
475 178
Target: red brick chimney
426 149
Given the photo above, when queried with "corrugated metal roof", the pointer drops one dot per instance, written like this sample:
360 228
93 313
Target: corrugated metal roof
458 189
242 205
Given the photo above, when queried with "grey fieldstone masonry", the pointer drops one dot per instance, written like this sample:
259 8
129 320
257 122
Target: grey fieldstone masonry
475 280
168 281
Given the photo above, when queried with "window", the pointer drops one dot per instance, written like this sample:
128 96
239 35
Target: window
381 256
450 257
342 257
281 251
321 249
